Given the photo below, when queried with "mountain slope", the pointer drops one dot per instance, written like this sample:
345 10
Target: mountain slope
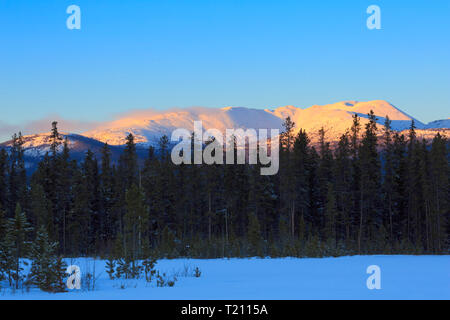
335 118
438 124
147 131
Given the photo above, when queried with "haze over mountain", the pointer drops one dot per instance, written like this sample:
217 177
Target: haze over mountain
149 126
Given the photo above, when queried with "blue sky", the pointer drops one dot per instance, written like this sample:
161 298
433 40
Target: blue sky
139 54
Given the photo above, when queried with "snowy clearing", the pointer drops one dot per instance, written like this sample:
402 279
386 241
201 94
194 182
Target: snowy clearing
402 277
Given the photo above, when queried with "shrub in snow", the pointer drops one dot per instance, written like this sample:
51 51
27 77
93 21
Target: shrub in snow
110 268
162 280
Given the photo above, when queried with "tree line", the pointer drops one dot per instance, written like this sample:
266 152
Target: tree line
369 194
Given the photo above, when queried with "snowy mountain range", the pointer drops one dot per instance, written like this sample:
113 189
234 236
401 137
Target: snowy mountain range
149 126
335 118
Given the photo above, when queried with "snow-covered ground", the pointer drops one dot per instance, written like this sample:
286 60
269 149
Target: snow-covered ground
402 277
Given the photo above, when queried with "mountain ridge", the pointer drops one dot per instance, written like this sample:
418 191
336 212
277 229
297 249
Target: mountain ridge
335 118
149 126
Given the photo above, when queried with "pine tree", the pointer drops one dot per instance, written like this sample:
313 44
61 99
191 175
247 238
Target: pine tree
54 185
301 170
16 245
399 189
136 223
55 139
128 162
167 243
426 198
59 271
39 207
388 181
107 219
78 220
370 212
356 207
287 178
313 218
324 175
3 249
412 182
330 220
149 185
440 213
254 236
287 136
342 172
17 175
65 195
2 224
92 185
43 177
164 194
212 188
47 269
3 178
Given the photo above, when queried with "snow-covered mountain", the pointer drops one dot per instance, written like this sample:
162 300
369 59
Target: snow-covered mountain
149 126
438 124
148 129
335 118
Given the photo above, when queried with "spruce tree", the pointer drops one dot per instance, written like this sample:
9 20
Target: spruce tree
136 222
128 162
412 183
16 245
79 218
17 175
287 182
355 177
254 236
440 213
343 188
55 140
399 189
301 171
92 185
3 249
47 269
3 178
65 175
330 220
39 207
370 211
388 181
149 185
324 175
107 219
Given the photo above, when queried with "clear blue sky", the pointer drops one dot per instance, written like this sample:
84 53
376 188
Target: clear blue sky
178 53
